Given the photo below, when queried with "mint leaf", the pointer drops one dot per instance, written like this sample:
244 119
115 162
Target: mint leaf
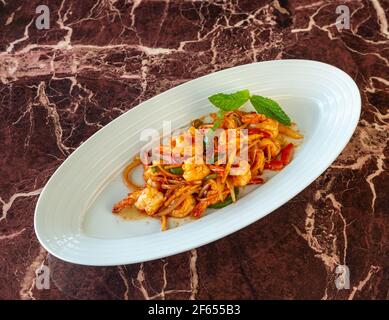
230 102
270 108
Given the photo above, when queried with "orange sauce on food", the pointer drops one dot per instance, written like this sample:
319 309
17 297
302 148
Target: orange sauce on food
131 213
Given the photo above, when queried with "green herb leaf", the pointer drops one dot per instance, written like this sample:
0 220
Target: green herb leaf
230 102
218 121
270 108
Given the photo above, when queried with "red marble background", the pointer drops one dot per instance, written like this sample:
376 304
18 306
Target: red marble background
101 58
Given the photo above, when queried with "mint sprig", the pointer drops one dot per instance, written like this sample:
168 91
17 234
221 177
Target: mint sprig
233 101
270 108
230 102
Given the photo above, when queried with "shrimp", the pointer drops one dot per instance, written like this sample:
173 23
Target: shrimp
241 175
270 126
253 118
149 176
200 207
194 170
186 207
149 200
126 202
179 145
185 144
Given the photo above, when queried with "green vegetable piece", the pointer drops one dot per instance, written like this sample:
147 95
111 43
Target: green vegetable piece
230 102
226 202
221 204
270 108
219 120
177 170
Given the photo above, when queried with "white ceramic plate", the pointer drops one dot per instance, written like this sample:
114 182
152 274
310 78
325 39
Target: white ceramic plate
73 219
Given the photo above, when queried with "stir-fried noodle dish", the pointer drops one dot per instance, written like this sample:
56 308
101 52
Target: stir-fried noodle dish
206 164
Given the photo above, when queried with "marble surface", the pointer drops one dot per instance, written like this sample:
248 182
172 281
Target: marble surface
101 58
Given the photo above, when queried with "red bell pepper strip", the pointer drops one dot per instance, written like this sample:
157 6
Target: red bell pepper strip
287 153
275 165
256 180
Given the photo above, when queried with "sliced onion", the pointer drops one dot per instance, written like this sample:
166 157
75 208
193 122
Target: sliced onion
126 174
174 204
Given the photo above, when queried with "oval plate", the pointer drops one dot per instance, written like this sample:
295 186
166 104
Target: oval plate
73 219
